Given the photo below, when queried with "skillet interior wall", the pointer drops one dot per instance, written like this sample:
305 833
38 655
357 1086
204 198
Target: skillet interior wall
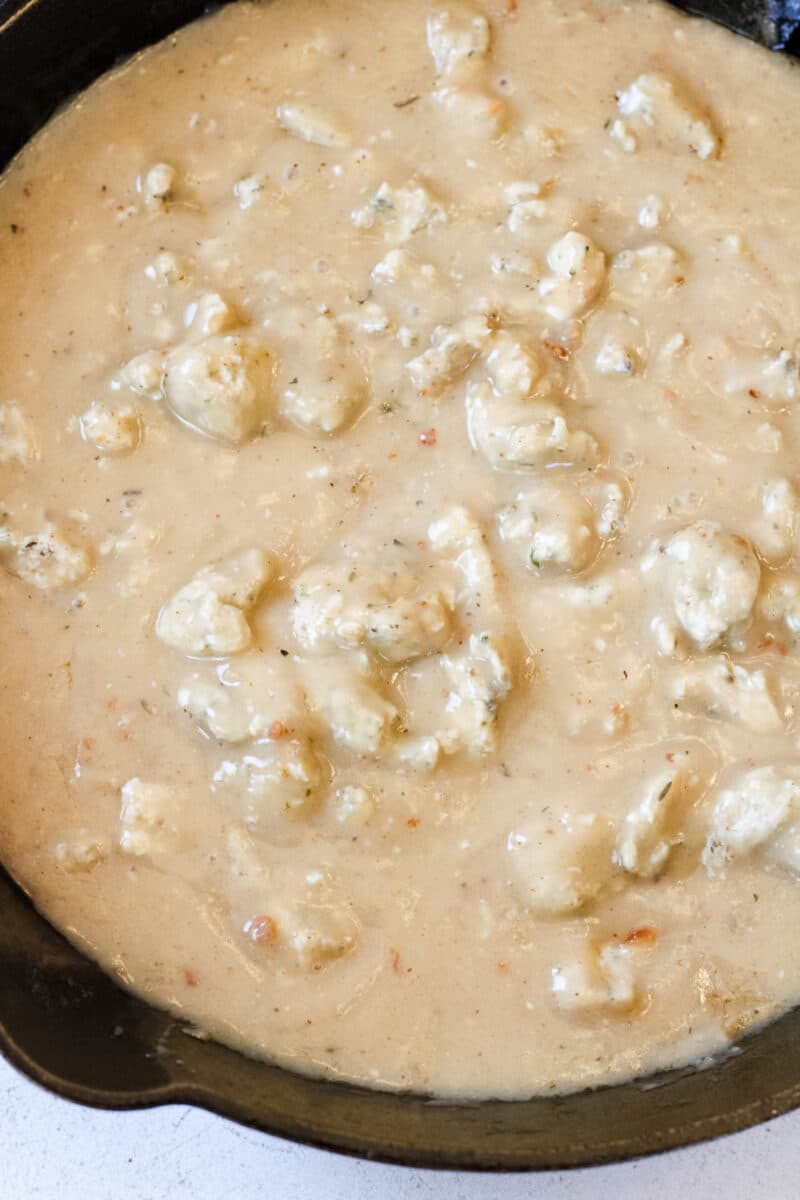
50 49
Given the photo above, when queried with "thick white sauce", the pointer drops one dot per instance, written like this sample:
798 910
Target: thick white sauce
399 536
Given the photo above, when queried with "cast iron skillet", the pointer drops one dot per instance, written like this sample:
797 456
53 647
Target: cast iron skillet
71 1029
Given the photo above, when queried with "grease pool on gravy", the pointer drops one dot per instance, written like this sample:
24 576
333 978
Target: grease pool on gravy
399 536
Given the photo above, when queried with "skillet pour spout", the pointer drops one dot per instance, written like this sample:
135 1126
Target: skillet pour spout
72 1030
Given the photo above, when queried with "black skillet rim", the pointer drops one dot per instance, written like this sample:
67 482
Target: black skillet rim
71 1030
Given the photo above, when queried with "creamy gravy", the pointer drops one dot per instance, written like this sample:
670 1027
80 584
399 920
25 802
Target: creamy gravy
399 527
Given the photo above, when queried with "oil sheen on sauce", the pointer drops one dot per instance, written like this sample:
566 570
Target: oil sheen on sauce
399 528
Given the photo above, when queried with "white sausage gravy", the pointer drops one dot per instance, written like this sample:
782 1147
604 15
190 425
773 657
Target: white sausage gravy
399 531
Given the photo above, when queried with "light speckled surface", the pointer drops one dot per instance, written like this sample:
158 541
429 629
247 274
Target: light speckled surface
51 1148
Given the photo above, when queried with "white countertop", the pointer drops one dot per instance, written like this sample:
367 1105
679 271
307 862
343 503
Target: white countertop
53 1150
